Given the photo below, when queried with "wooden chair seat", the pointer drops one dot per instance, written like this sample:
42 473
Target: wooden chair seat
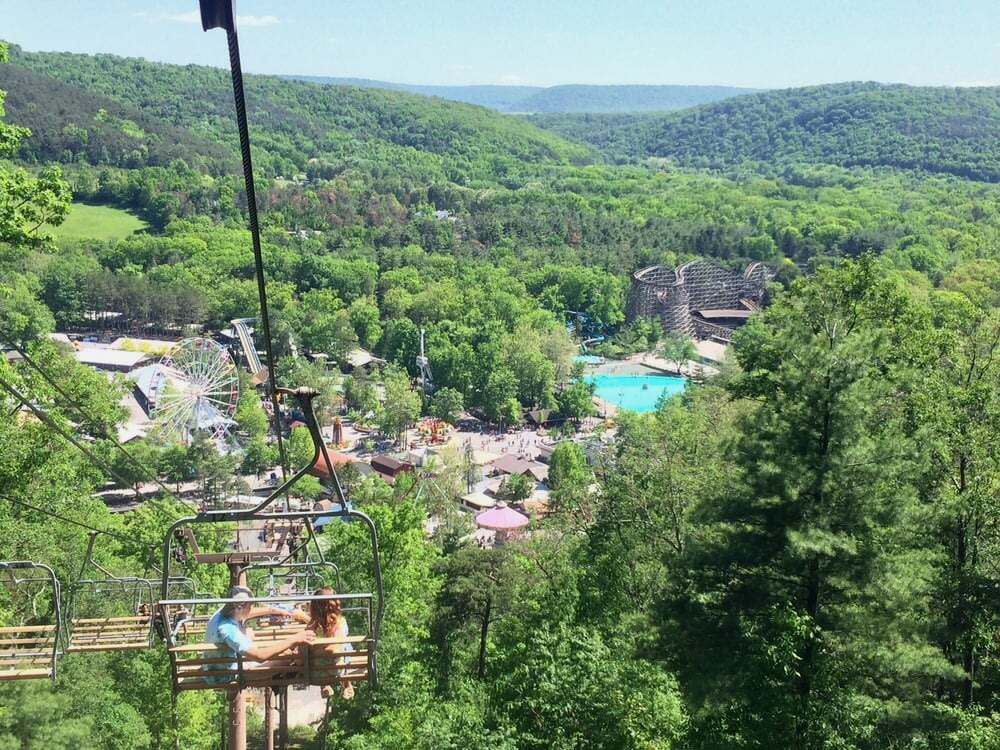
24 674
196 669
26 652
98 634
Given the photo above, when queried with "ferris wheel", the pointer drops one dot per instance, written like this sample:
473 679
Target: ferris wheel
195 390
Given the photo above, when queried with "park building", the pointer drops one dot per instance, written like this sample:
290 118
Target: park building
699 299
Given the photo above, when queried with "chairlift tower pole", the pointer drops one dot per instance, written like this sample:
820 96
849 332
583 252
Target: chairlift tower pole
237 698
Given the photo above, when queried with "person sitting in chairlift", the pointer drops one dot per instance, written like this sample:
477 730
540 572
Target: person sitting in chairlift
326 618
227 627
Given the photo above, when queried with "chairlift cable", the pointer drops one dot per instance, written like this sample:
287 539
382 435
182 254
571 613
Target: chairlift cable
114 535
236 72
52 425
47 420
80 410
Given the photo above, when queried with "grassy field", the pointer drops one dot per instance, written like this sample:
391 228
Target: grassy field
86 222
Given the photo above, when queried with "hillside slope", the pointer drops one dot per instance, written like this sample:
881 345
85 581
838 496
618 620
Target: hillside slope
500 98
296 121
947 130
69 124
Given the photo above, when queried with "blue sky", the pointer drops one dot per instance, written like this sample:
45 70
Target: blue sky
763 43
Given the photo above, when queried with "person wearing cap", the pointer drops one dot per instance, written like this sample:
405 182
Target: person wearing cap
227 627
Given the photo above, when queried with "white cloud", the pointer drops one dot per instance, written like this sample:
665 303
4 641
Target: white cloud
257 20
192 17
195 17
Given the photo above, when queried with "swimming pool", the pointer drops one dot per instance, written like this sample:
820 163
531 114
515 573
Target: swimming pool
589 359
637 393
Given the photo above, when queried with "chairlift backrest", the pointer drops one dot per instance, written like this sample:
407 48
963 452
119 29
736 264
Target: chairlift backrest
199 665
105 612
29 649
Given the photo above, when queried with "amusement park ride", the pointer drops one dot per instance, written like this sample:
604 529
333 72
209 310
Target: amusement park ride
103 612
195 390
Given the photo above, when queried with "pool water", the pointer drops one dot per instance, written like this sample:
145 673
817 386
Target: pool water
589 359
637 393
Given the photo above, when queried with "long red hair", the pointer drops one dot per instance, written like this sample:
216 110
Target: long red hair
324 615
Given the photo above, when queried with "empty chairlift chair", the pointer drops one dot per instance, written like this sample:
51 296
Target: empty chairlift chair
182 620
281 578
29 638
107 612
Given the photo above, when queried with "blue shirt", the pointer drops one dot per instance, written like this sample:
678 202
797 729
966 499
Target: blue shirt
226 632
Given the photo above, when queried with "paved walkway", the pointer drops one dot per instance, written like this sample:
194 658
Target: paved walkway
522 443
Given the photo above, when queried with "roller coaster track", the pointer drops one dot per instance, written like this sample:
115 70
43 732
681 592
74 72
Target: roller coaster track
249 349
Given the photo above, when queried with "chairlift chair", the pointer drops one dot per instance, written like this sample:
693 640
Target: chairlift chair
207 666
30 649
292 578
188 620
106 612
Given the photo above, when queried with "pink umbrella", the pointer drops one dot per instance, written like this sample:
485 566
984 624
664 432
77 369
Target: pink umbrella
501 518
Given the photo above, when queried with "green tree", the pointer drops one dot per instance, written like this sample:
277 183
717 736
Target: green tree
958 418
365 319
137 466
250 415
516 488
402 404
678 349
576 401
807 586
23 318
501 389
568 466
299 447
324 325
258 456
478 591
584 694
570 479
447 404
176 465
217 474
27 203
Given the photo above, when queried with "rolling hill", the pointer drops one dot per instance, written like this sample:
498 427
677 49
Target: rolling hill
617 99
69 123
935 129
295 122
565 98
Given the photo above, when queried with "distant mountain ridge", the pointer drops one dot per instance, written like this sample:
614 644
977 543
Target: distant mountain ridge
563 98
934 129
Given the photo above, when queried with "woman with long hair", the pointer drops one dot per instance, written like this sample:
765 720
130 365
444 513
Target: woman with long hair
327 621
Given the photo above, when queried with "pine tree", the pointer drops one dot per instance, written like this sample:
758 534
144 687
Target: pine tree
802 618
